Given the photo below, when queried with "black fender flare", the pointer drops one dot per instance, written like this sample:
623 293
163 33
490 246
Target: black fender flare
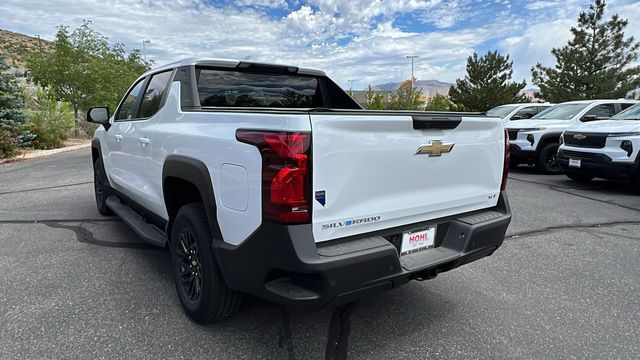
95 147
195 172
545 138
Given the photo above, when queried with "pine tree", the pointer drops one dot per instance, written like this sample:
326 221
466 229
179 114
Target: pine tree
487 84
12 115
596 63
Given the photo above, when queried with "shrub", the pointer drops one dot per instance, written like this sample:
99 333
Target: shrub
50 120
8 143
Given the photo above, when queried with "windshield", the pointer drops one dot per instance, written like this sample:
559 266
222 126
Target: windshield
501 111
632 113
561 112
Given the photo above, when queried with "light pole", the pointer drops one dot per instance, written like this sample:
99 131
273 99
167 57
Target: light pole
351 86
412 57
144 49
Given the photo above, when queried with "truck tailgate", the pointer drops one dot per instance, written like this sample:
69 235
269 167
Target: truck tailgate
368 174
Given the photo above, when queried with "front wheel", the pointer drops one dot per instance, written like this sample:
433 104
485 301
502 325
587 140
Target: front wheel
548 159
203 293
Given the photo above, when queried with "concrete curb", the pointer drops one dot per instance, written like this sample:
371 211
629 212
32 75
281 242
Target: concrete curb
42 153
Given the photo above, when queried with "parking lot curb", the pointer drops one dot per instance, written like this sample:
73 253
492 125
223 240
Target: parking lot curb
43 153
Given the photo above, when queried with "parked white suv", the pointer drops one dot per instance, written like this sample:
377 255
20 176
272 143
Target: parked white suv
510 112
270 180
535 141
607 149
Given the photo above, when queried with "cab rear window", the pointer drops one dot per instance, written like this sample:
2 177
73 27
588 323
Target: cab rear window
224 88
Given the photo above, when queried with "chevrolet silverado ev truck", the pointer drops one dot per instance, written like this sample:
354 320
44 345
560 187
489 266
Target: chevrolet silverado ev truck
607 149
535 141
511 112
270 180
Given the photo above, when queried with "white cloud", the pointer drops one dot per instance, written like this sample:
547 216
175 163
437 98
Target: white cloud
356 39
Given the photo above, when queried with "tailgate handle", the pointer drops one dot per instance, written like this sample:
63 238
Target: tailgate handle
421 122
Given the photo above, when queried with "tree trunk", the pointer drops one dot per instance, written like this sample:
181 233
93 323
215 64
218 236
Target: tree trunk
75 118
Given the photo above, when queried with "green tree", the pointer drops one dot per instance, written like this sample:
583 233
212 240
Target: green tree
406 97
84 70
49 119
12 115
487 84
597 63
438 102
375 100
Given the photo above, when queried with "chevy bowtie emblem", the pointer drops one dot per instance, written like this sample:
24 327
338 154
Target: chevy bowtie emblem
579 137
436 148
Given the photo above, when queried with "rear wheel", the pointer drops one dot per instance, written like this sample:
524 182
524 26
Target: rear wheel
203 293
583 178
101 187
548 159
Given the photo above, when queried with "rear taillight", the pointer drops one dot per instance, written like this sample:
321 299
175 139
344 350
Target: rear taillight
505 169
286 175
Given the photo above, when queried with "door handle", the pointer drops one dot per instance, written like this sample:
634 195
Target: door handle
144 141
118 138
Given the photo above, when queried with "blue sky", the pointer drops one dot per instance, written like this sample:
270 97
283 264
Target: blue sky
363 40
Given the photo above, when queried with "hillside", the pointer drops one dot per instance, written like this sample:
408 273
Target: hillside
16 48
428 87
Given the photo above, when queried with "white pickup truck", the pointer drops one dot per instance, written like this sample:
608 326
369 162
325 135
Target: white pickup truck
270 180
535 141
607 149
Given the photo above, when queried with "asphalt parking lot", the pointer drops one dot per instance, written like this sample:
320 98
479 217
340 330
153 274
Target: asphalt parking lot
565 284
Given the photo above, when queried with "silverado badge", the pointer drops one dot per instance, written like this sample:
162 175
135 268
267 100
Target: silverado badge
435 148
579 137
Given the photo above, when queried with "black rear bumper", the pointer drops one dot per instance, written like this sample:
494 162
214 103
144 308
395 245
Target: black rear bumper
597 165
283 264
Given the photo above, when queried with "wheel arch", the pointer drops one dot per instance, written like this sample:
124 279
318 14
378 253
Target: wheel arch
186 180
96 150
547 139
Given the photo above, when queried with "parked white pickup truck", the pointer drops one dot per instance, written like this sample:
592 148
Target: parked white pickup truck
607 149
270 180
536 141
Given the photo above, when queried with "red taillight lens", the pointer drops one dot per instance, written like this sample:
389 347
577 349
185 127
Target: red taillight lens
286 177
505 170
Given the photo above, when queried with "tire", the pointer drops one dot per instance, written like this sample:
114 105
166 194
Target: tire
101 187
547 159
203 293
583 178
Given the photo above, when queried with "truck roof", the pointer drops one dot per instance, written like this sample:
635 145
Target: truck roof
229 63
600 101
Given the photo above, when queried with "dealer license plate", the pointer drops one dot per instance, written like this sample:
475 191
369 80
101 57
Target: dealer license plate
418 239
575 162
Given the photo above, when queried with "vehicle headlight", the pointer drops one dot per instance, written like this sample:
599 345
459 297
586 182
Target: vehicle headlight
533 129
561 138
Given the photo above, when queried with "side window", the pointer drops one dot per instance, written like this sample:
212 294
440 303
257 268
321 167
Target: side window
603 111
626 105
128 106
525 113
153 95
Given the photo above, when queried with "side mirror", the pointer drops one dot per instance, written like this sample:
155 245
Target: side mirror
517 117
99 115
589 118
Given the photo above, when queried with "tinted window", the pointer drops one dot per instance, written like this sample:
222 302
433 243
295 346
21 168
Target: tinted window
128 107
246 89
501 111
525 113
561 112
632 113
603 111
626 105
154 93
